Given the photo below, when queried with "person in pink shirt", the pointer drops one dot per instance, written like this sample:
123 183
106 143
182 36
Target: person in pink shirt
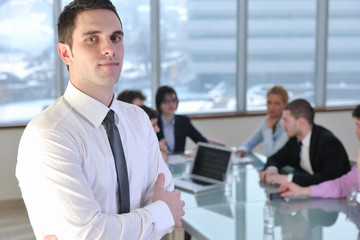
337 188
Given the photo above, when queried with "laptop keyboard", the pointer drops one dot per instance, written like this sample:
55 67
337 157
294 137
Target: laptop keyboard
197 181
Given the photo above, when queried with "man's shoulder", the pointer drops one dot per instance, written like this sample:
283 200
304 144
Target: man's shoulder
128 108
323 136
51 115
57 119
322 132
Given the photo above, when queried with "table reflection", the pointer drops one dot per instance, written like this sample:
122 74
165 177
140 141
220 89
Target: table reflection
236 211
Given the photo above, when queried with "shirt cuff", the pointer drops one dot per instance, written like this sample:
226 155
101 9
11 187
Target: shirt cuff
162 216
290 177
242 148
272 169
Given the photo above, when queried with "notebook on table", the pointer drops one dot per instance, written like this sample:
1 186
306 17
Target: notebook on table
209 171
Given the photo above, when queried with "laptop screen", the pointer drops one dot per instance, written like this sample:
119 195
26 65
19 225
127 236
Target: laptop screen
211 162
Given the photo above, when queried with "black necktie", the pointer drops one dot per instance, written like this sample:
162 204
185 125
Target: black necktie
299 149
120 163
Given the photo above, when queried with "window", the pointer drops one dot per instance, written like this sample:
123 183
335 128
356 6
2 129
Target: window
198 53
343 69
193 46
281 49
27 65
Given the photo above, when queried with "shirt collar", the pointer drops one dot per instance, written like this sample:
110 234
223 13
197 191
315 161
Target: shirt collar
306 141
165 123
88 107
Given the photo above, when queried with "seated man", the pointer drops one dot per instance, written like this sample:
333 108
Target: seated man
336 188
313 151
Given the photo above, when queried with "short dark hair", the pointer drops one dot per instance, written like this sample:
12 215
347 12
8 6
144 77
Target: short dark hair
301 108
152 113
356 112
161 93
129 95
66 20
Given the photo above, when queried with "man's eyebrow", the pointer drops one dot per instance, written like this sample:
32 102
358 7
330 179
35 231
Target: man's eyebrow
120 32
90 33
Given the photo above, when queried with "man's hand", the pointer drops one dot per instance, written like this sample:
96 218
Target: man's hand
241 153
163 148
268 172
262 176
172 199
275 178
291 189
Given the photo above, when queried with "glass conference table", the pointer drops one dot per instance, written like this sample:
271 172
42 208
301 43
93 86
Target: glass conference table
236 211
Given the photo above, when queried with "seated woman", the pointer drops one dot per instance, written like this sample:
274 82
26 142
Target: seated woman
339 187
270 131
153 115
174 128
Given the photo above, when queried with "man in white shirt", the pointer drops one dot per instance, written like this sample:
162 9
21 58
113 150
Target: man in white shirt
313 151
66 168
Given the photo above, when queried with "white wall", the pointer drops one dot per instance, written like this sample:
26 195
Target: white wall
9 140
232 131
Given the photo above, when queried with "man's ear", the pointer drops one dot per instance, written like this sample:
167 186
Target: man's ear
302 121
65 53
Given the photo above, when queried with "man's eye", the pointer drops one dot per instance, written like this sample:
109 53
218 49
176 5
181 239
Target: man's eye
116 38
92 39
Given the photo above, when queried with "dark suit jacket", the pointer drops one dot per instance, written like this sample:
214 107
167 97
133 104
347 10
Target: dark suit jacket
328 158
183 128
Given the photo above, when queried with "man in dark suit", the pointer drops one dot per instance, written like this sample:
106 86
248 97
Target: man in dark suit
313 151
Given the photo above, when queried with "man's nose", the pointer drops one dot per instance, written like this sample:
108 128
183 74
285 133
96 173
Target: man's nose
108 48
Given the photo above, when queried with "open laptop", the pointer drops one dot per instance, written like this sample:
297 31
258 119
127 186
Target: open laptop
209 171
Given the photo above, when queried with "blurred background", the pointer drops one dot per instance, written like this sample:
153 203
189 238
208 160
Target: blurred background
220 57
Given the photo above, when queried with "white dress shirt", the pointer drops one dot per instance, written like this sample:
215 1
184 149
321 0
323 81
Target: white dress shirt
305 154
304 157
67 175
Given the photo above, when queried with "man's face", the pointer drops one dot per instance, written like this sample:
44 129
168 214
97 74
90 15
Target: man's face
357 130
97 52
275 105
290 124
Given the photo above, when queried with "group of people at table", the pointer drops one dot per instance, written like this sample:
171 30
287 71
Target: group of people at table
289 136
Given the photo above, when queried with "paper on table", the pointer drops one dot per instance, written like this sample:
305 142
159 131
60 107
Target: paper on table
178 159
238 159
